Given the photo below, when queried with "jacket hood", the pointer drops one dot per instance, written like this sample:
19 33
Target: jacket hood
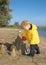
34 26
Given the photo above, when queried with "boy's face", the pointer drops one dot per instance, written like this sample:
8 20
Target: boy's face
27 27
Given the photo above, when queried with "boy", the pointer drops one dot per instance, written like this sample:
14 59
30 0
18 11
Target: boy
31 34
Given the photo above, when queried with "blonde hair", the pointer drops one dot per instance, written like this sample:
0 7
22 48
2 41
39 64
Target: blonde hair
24 23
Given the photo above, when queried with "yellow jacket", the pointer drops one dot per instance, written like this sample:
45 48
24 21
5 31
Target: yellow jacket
32 35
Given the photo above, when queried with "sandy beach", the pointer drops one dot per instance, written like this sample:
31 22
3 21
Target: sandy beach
9 36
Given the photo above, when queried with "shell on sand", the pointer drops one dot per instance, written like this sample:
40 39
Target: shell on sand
2 40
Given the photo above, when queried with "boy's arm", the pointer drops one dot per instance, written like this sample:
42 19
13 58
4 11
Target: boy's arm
24 36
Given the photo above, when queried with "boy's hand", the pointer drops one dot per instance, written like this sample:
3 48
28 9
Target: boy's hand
24 38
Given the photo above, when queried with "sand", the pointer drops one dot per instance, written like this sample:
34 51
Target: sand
7 37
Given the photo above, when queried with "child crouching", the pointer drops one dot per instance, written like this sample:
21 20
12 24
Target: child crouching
31 34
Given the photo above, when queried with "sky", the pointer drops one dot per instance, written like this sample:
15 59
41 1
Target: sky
32 10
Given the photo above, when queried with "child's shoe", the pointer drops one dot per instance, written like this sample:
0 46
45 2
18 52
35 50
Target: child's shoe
38 52
30 55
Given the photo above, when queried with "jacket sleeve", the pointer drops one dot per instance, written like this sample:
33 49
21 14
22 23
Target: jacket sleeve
30 37
24 33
